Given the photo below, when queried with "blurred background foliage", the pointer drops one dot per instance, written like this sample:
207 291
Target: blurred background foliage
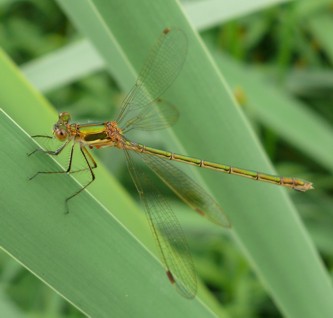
291 44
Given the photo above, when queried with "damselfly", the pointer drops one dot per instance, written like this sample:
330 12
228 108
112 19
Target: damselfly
143 109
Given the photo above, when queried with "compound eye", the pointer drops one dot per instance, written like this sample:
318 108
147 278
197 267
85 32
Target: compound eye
61 134
64 117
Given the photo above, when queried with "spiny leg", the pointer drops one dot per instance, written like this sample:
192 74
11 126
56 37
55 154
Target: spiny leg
49 152
68 170
55 153
92 164
39 149
85 153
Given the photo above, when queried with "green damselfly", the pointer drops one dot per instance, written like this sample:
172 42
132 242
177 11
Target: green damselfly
143 109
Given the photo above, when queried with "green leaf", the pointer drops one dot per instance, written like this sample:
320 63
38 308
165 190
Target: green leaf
8 309
88 256
209 13
63 66
316 25
286 116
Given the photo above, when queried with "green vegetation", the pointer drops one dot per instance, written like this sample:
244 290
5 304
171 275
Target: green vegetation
263 83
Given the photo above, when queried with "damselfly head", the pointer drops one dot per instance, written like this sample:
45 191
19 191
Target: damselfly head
60 129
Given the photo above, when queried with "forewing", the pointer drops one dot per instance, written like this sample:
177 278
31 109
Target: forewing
159 71
159 116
